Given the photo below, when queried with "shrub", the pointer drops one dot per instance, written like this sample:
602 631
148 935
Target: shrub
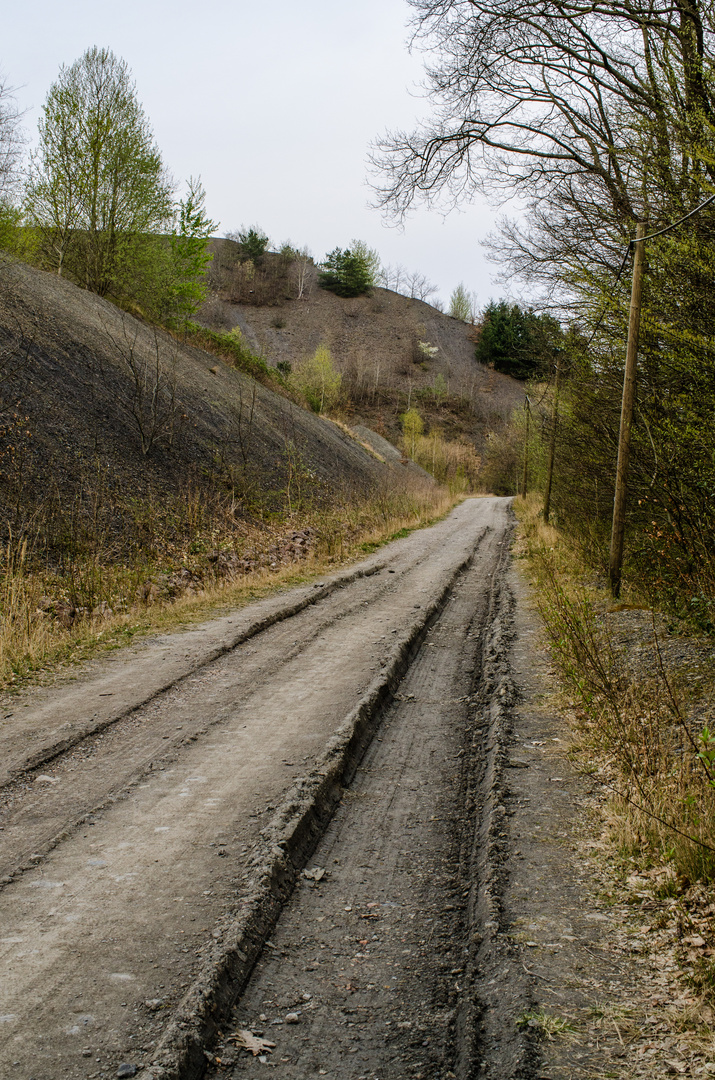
318 380
412 428
253 243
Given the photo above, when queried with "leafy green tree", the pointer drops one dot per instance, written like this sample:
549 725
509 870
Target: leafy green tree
318 380
253 243
517 342
460 305
439 387
371 259
346 273
98 187
412 427
189 256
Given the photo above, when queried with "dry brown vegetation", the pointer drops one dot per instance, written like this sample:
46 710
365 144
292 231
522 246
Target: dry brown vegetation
52 615
640 700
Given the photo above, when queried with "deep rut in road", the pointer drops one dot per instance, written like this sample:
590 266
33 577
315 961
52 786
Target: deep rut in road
382 963
126 940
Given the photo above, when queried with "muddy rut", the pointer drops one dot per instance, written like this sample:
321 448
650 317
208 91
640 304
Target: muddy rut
149 847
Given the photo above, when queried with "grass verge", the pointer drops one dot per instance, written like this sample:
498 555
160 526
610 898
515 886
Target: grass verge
640 726
38 636
640 700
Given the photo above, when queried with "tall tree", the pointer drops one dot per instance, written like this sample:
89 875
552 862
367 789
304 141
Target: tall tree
98 185
520 343
347 273
598 114
11 142
189 256
460 306
11 147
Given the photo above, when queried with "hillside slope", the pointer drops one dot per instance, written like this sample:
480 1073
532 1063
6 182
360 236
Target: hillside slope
83 385
375 343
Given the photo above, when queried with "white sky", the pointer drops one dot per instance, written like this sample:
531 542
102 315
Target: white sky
273 105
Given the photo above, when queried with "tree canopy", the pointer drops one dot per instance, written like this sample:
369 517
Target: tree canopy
597 115
460 304
98 185
517 342
189 256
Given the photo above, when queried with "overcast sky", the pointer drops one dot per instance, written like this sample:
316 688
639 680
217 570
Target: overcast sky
273 105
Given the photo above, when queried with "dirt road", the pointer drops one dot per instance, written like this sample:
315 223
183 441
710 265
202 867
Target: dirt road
149 836
337 828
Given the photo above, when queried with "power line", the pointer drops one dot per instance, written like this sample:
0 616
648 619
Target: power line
675 224
631 245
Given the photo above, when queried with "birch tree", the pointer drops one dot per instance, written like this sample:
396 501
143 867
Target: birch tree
98 186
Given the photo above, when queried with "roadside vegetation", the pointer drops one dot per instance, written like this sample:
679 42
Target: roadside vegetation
181 562
638 692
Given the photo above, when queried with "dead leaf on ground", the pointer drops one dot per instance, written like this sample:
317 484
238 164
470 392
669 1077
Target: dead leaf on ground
314 874
677 1066
251 1042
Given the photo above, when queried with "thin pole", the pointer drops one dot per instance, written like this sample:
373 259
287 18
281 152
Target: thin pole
624 437
527 407
552 440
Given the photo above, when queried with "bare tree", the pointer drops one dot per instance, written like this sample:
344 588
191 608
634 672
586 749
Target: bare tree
147 359
418 286
410 283
392 277
12 143
302 265
598 113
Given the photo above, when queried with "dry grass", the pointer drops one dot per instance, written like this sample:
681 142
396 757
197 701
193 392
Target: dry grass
34 642
639 730
636 718
452 462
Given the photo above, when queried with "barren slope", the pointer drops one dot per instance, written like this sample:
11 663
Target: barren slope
68 393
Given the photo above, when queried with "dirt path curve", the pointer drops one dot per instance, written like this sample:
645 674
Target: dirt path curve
146 849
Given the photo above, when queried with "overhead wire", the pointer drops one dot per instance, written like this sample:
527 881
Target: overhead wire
639 240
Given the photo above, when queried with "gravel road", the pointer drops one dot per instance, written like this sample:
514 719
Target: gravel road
156 812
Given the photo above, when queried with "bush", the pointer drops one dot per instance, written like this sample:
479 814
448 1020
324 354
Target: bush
253 243
412 428
451 462
318 381
232 347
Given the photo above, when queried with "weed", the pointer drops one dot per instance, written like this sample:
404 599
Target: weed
545 1024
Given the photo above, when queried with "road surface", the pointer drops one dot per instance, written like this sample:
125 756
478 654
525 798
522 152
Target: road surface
155 815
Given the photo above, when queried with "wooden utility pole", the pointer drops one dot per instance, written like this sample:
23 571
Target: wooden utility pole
552 439
527 407
624 437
